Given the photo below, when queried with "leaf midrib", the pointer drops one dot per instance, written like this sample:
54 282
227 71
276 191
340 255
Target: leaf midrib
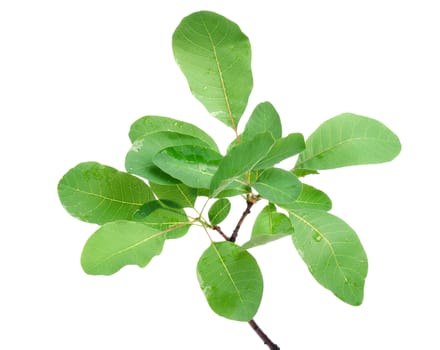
185 196
220 211
271 187
334 146
228 273
104 197
134 245
334 255
222 82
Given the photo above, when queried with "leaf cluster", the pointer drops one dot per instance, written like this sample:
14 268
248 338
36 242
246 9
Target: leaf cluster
172 163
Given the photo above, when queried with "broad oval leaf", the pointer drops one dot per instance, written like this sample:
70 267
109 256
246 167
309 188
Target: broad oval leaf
219 211
120 243
215 57
240 160
348 139
278 186
311 197
192 165
97 193
263 118
283 148
151 124
231 281
332 251
139 159
180 194
269 226
164 215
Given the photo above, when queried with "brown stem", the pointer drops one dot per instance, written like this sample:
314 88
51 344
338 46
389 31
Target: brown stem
263 336
250 201
219 230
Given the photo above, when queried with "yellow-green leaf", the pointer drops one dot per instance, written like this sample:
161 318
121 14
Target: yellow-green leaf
120 243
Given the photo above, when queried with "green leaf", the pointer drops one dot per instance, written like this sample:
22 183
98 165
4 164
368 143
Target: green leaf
348 139
268 227
240 160
231 281
97 193
151 124
139 159
120 243
278 186
263 118
235 188
164 215
193 165
203 192
304 172
215 57
219 211
310 197
332 251
181 194
282 149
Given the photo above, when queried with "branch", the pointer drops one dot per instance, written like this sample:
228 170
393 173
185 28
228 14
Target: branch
263 336
219 230
250 201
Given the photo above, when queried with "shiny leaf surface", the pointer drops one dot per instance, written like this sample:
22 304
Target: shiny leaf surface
192 165
240 160
139 159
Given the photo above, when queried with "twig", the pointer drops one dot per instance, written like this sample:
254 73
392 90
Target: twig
263 336
250 201
219 230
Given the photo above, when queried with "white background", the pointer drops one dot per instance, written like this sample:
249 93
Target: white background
75 74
